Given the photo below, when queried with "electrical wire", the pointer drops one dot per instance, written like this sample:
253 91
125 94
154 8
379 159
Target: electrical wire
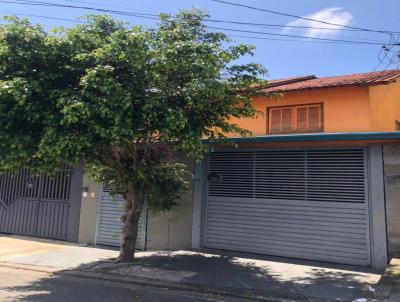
230 36
155 17
279 25
149 16
107 5
384 54
222 21
290 40
303 18
297 36
109 11
392 60
45 17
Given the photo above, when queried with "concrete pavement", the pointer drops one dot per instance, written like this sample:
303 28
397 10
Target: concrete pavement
49 253
30 286
389 285
265 277
299 280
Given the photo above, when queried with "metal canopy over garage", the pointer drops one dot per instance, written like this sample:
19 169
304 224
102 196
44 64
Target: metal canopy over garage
41 205
307 204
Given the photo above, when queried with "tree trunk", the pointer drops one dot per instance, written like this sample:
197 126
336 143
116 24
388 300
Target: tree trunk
134 200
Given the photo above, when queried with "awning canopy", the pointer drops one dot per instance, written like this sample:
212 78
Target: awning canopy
316 137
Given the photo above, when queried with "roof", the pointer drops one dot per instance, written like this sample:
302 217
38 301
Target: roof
317 137
312 82
280 82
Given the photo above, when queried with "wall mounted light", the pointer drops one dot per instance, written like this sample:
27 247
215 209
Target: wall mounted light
85 191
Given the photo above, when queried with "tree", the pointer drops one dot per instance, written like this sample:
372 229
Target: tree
122 99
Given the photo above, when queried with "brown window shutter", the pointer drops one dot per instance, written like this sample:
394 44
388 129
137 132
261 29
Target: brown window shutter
314 117
287 119
276 119
302 118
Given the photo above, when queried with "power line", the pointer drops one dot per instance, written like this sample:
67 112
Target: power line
279 25
106 5
220 21
153 17
148 15
291 40
296 36
109 11
384 54
396 54
229 35
44 17
303 18
388 49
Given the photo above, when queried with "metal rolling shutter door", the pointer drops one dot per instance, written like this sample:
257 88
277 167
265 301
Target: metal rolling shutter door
109 226
308 204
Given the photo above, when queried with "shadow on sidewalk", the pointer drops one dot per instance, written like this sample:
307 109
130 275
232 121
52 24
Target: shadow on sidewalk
219 271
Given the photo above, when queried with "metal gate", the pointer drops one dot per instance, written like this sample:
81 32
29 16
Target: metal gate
308 204
41 205
109 225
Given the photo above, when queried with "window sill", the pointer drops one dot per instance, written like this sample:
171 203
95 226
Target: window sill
295 132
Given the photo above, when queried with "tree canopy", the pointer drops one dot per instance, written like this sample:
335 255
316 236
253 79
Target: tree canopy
121 98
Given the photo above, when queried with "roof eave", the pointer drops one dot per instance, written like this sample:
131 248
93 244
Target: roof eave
316 137
330 87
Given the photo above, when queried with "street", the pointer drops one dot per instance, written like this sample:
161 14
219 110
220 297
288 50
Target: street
19 285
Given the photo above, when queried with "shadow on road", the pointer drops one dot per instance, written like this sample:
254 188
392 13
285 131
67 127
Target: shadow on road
217 271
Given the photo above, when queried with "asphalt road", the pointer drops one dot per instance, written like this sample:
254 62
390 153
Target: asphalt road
17 285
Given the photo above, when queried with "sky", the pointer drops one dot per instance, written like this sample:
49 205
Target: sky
281 58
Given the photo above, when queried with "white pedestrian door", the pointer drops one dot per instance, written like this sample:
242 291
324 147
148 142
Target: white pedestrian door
308 204
109 225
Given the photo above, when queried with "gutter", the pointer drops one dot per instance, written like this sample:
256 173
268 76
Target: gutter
315 137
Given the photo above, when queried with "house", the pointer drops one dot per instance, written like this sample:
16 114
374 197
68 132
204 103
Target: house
319 181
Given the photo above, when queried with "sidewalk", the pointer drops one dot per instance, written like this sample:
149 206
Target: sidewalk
267 279
389 285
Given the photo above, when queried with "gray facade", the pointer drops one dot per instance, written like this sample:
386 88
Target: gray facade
339 212
185 226
391 160
88 212
160 231
173 230
364 230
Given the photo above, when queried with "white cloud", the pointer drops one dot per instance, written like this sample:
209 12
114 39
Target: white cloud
336 15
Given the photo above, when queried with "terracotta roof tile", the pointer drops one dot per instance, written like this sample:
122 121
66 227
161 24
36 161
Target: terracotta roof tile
311 82
279 82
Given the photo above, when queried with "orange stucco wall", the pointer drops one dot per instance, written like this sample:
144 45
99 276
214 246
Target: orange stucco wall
385 106
346 109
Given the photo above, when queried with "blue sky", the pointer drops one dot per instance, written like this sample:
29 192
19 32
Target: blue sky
281 58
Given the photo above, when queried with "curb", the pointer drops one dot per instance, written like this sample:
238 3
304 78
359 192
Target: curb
110 277
389 284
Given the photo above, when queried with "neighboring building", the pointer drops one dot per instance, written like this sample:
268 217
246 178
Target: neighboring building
320 181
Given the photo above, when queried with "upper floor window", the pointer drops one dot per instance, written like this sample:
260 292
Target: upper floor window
301 118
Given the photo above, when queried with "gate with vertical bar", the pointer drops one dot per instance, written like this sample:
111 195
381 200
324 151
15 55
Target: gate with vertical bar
308 204
41 205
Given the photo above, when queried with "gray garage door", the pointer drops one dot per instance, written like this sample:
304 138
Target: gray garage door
109 224
308 204
40 205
